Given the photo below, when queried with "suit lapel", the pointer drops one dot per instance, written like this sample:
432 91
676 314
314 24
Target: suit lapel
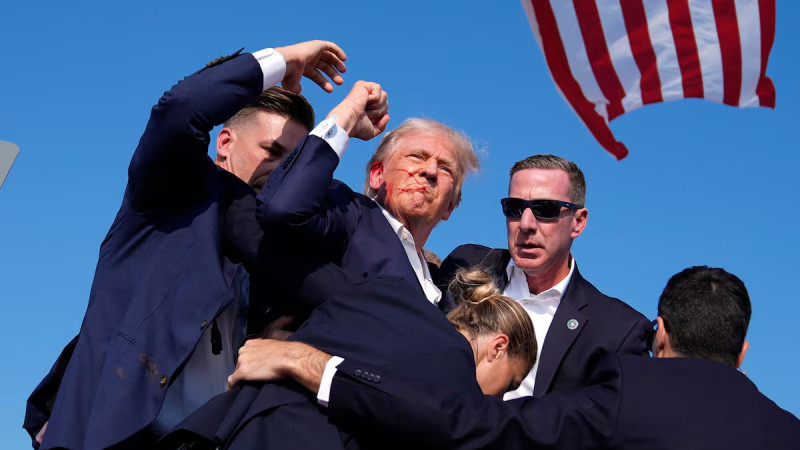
568 323
385 234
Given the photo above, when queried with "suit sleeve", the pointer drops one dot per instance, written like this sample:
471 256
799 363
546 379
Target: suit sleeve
635 342
41 401
171 163
419 415
297 199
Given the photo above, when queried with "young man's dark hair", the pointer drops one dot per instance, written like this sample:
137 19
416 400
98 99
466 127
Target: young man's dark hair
278 101
706 312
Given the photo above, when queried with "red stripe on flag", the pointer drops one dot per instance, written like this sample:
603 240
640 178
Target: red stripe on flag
642 49
765 89
594 40
730 49
686 47
556 58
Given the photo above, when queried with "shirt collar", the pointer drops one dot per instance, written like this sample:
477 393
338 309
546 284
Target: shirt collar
416 258
517 278
396 225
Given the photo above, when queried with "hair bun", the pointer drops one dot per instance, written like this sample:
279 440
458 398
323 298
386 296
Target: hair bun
472 285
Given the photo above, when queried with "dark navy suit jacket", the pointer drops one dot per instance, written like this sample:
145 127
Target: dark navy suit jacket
168 266
309 215
630 403
383 319
605 324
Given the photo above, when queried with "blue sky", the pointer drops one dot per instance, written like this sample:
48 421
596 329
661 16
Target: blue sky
704 183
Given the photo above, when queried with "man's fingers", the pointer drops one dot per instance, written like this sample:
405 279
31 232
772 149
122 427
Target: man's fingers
379 103
331 72
232 380
334 60
381 126
331 50
320 80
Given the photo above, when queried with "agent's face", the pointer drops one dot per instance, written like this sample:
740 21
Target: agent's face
495 371
500 376
417 181
254 149
541 247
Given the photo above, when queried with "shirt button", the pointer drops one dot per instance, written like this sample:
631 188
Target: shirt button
163 381
405 236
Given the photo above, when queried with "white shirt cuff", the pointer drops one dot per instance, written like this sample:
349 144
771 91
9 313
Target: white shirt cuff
333 134
324 393
273 66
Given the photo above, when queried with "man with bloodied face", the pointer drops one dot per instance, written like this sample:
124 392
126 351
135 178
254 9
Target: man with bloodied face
413 182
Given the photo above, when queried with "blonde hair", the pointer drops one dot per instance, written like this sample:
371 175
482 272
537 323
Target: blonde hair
483 310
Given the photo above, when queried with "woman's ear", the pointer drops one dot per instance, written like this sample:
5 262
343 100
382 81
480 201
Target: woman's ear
498 347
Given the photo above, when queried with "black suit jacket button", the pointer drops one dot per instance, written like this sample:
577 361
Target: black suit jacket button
376 378
370 376
357 372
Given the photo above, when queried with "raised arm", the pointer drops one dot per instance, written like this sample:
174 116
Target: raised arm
170 165
296 196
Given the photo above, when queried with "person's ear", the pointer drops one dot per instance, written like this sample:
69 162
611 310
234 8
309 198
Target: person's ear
449 211
224 140
579 222
498 347
740 358
376 176
663 346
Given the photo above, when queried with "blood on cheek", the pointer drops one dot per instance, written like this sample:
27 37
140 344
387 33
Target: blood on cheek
420 187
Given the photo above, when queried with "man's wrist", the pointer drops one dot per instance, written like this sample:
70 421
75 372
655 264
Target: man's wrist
306 364
324 391
273 66
333 134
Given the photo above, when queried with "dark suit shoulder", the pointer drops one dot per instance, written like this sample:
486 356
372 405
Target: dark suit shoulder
702 399
615 325
604 304
494 260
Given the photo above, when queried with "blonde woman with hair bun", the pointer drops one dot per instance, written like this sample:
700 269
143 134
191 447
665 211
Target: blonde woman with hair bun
498 328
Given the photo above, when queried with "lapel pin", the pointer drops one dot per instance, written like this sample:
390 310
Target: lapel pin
572 324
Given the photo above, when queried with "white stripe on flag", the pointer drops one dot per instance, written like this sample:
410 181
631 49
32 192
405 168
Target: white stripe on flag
708 49
528 6
619 48
747 14
579 65
664 46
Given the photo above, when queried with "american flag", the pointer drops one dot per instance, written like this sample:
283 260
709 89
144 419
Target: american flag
608 57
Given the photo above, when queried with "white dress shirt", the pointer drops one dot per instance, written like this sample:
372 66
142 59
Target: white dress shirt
541 308
417 259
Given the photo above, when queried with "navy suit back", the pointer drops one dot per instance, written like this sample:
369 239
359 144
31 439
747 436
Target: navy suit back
383 320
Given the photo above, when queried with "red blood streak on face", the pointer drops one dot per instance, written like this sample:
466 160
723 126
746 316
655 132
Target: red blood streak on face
415 189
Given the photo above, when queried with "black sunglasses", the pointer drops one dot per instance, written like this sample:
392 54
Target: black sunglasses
542 208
